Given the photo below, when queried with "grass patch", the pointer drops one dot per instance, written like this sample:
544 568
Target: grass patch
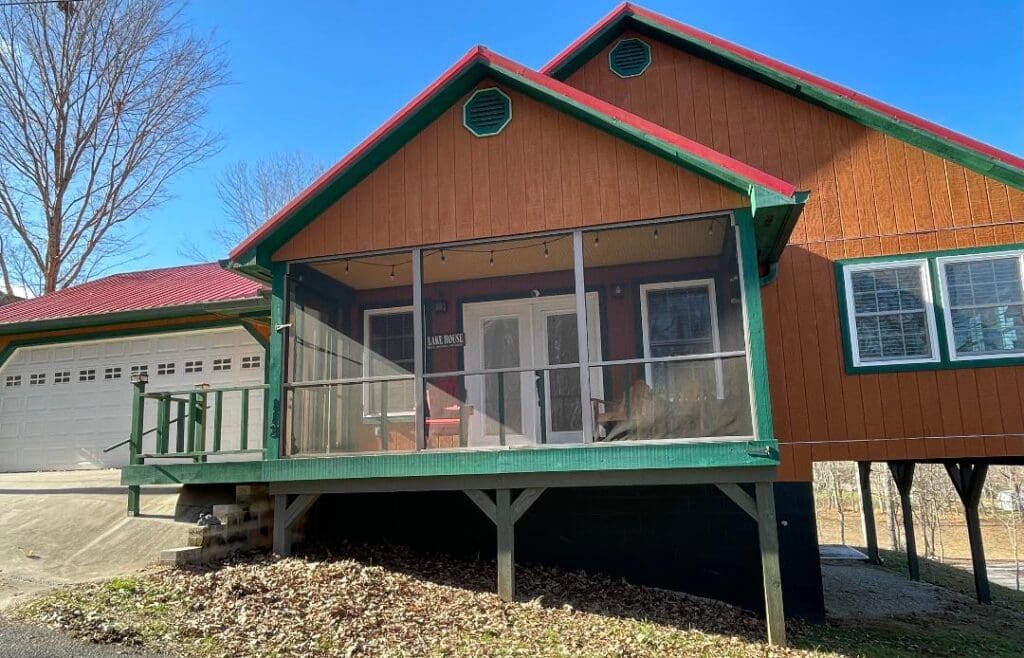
953 578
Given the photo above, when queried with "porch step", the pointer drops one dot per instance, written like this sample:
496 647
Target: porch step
178 557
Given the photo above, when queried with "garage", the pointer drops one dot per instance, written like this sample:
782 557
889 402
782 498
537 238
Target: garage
67 360
62 403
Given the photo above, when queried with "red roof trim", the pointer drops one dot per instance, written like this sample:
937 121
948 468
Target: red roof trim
355 154
628 9
498 62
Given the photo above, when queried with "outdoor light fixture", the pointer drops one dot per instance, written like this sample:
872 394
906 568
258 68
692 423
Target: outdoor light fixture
202 387
618 291
140 378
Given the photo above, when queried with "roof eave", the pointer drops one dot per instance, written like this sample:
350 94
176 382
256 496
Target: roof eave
233 308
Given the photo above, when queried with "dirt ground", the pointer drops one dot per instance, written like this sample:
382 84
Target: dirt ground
71 526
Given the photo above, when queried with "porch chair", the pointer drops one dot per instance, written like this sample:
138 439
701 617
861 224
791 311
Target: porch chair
447 416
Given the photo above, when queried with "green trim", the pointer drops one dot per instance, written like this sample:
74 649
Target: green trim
234 307
775 212
756 350
945 361
962 155
10 348
484 125
629 69
618 457
273 412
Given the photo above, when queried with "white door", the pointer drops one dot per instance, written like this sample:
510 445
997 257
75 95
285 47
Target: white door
62 404
526 333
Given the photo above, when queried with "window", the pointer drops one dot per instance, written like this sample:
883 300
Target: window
37 379
250 361
88 375
112 373
389 351
681 319
12 380
62 377
165 368
193 366
890 313
140 370
983 303
221 364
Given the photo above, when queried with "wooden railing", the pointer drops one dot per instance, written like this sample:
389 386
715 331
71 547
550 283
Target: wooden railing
190 423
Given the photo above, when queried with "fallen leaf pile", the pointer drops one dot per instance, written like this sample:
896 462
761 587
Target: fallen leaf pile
381 601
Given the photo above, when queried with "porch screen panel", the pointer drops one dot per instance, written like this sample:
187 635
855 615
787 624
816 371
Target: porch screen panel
674 360
350 386
501 364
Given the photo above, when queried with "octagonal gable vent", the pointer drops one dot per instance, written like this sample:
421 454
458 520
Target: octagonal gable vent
487 112
629 58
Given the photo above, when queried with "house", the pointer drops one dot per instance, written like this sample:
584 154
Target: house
607 315
66 358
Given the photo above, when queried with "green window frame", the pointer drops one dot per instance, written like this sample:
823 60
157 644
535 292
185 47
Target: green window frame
940 309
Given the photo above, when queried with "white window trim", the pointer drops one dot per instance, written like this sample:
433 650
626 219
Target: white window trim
947 311
368 414
929 311
716 343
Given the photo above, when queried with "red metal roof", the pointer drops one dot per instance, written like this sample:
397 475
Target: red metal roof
478 54
186 285
627 9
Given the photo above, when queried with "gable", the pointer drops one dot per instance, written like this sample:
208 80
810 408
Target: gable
866 183
544 171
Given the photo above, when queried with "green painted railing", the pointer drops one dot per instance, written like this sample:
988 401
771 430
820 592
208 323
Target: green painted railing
195 420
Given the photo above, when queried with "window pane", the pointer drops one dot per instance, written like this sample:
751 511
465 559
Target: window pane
890 313
986 305
501 350
679 320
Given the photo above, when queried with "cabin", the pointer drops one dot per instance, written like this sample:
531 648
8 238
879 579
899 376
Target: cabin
607 314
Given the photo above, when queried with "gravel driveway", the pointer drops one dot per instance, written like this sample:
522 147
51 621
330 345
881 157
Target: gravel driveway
24 641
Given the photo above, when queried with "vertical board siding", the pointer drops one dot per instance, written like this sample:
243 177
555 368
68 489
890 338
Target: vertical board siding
544 171
871 194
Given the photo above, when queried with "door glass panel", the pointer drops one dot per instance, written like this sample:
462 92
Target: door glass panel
563 395
501 350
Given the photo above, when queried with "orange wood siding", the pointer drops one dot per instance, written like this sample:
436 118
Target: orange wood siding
544 171
871 194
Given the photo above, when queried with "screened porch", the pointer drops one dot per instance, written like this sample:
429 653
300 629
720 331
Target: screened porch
631 333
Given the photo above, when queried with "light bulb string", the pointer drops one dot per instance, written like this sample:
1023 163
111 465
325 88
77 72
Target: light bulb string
463 250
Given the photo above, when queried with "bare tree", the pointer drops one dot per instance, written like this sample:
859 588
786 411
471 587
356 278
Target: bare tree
1009 503
834 481
250 193
101 104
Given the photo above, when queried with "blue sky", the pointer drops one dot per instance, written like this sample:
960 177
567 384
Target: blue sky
318 76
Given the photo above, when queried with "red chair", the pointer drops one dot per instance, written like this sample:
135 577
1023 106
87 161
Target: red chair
447 415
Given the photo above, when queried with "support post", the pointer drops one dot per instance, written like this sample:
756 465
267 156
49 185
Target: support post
768 534
506 545
867 512
903 474
419 345
135 442
968 480
582 335
503 512
285 516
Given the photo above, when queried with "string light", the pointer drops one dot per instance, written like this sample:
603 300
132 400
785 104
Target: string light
444 259
392 272
546 254
597 238
492 259
346 266
711 228
655 232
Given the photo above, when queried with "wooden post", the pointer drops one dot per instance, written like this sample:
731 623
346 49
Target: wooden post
506 545
243 439
768 535
867 512
218 419
968 480
163 424
282 533
903 474
135 441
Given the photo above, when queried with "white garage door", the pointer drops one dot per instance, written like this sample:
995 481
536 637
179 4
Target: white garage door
62 404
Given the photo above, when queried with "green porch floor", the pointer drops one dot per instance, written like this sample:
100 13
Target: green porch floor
452 463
